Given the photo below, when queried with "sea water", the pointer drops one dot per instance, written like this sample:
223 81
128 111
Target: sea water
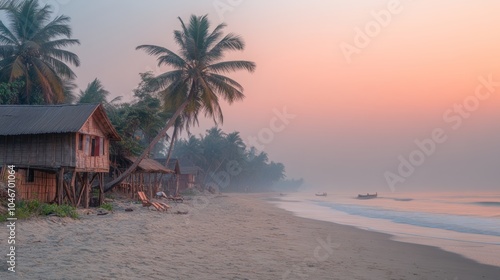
467 224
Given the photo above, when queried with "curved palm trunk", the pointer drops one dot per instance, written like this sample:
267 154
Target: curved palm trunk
171 147
109 186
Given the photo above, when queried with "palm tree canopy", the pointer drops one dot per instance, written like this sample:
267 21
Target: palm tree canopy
31 49
197 74
94 93
196 82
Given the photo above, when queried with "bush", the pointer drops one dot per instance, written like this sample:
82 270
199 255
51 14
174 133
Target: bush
27 209
107 206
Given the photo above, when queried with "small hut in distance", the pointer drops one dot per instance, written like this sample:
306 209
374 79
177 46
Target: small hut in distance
59 151
186 175
147 177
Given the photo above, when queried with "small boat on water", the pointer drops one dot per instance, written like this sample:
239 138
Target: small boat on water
321 194
367 196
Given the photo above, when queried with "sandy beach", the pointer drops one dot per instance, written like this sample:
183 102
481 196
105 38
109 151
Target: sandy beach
232 236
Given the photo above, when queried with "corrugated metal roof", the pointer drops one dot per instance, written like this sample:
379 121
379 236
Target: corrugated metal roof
150 165
40 119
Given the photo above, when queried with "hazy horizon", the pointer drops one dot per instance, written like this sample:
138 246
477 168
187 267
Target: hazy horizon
364 82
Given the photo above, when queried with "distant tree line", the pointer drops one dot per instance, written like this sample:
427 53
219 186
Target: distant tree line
228 164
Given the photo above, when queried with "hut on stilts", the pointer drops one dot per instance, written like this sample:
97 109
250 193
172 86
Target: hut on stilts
60 152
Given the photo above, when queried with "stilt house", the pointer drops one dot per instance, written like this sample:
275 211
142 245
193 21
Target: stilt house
61 152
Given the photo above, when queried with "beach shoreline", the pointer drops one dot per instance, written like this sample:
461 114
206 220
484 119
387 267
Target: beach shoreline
228 236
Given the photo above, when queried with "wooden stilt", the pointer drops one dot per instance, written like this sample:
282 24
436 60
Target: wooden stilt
68 193
101 188
73 186
177 185
60 183
86 187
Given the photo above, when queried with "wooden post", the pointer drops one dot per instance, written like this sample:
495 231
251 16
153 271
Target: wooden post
68 193
101 188
177 185
72 186
155 184
150 185
86 190
60 182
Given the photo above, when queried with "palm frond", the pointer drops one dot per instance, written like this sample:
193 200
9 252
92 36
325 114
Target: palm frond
230 66
60 67
62 55
57 27
9 37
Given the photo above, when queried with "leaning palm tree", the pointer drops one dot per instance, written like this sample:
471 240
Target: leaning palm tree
196 83
178 125
31 49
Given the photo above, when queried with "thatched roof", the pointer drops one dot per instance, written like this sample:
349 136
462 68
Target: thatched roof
149 165
185 166
44 119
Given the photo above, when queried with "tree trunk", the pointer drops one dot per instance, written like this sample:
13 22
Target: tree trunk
109 186
172 140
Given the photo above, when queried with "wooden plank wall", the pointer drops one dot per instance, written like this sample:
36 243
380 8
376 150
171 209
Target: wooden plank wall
84 161
47 150
43 188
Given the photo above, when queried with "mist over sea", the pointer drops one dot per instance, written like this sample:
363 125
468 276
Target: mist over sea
464 223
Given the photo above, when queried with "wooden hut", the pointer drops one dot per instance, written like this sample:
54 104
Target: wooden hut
147 177
185 175
60 151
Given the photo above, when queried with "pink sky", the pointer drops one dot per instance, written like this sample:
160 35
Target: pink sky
353 119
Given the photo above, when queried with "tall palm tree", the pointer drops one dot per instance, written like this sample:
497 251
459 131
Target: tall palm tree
31 49
178 125
196 82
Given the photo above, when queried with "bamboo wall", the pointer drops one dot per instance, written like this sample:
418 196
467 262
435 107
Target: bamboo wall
149 183
43 188
43 150
86 162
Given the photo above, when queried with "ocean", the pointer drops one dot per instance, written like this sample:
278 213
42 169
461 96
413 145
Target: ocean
463 223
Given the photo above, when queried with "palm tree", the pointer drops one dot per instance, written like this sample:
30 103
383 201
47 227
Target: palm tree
68 87
196 82
31 50
96 93
178 125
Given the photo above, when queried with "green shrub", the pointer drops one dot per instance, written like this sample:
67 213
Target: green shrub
107 206
27 209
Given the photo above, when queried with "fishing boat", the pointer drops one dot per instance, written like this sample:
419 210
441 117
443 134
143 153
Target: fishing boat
321 194
367 196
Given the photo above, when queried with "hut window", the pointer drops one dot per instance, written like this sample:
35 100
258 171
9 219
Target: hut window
30 176
87 144
96 148
93 147
80 142
101 144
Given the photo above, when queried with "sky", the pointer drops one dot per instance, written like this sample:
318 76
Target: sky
367 95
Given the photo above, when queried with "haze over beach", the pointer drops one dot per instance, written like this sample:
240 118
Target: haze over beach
358 108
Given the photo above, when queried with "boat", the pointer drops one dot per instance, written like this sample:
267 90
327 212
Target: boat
321 194
367 196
